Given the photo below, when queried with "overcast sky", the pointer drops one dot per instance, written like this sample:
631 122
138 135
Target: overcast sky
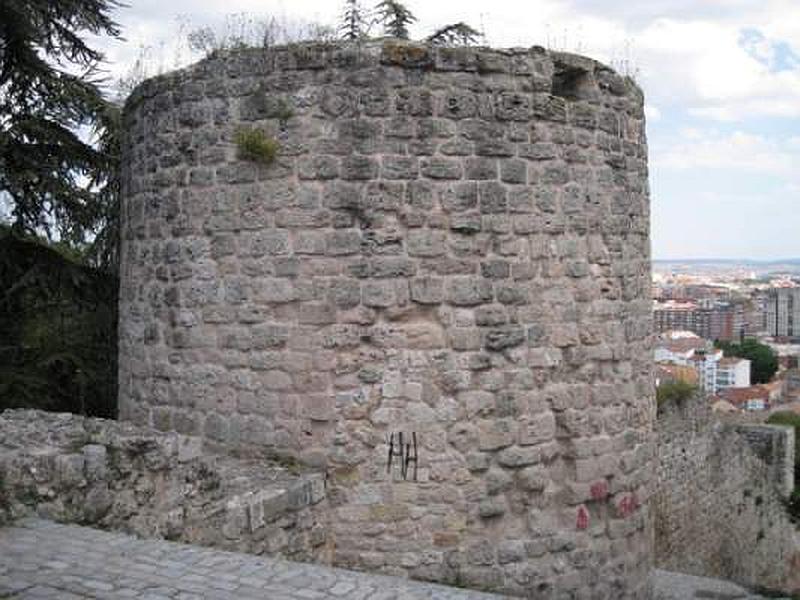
721 80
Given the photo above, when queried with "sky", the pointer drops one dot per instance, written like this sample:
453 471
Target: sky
721 81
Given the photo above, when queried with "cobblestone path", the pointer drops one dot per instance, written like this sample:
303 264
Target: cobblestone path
42 559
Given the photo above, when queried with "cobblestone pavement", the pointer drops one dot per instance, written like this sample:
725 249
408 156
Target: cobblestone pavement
42 559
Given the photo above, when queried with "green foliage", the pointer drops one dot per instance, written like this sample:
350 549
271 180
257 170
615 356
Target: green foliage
674 392
764 362
255 145
395 18
283 110
456 34
58 323
48 90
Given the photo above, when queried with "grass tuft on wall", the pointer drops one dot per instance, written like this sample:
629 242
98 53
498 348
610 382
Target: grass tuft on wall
255 145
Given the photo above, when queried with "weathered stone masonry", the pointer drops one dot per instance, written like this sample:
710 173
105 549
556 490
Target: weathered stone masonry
718 509
118 476
452 243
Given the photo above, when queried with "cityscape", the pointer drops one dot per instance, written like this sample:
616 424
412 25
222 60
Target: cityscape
705 311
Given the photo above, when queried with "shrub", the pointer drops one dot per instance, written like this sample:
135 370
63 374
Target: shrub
763 360
674 393
255 145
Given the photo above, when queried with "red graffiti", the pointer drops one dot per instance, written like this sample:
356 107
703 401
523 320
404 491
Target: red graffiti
583 518
599 490
627 505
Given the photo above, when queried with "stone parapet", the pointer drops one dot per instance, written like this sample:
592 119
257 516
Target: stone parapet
160 485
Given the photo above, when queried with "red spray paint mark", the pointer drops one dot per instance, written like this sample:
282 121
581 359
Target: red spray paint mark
627 505
583 518
599 490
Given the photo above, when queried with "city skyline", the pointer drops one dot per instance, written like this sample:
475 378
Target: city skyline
721 81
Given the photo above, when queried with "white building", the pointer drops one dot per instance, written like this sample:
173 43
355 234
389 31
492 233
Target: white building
733 373
678 347
706 362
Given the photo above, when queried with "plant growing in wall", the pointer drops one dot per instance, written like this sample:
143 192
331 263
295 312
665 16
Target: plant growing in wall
676 392
255 145
353 26
456 34
395 18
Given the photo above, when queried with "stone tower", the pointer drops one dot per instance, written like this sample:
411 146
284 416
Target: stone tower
438 292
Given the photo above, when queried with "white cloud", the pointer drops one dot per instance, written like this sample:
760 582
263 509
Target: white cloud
738 151
701 65
652 112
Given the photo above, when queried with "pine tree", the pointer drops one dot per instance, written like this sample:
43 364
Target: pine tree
395 18
49 88
456 34
353 23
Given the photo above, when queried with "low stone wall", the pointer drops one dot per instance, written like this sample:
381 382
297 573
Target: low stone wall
122 477
719 503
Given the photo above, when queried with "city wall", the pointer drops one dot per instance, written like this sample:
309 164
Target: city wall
719 505
438 293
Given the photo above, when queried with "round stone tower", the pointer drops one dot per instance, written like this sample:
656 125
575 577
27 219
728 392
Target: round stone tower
437 290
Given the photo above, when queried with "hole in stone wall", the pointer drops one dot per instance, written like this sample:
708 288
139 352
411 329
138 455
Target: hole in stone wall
570 82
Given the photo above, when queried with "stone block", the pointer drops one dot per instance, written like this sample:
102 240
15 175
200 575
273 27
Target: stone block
442 168
492 507
466 223
480 168
379 294
469 291
356 167
95 457
344 293
399 167
496 434
492 197
343 242
501 338
316 313
516 457
427 290
535 429
426 243
318 167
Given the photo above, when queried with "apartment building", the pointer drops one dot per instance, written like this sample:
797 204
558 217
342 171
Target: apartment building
709 319
783 312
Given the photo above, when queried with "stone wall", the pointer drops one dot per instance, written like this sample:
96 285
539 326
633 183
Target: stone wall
126 478
719 506
452 245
